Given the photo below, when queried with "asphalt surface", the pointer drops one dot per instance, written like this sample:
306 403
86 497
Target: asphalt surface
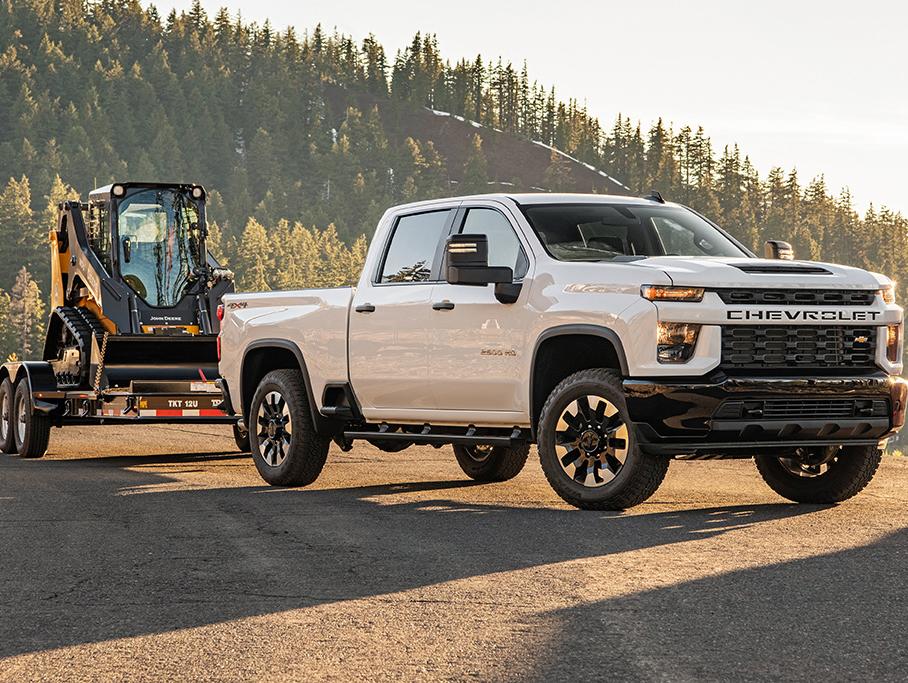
157 553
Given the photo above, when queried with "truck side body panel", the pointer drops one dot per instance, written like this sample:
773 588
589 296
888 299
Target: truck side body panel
315 321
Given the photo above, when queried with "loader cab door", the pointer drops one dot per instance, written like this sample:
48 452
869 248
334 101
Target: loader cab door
159 244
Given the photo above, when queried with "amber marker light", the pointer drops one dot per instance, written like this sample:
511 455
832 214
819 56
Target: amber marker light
893 342
661 293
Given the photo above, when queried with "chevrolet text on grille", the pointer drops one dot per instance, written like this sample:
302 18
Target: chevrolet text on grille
843 316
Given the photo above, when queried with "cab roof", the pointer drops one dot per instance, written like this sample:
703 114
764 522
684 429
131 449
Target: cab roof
103 193
536 198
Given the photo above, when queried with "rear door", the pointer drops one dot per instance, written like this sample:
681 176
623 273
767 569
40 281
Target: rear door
391 318
478 342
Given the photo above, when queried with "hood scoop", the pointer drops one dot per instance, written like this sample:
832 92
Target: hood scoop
782 268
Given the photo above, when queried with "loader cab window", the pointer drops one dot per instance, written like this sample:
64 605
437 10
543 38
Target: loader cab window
99 232
159 246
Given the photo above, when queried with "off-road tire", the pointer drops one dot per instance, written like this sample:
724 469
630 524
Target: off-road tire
851 471
241 439
30 438
7 396
639 476
500 464
307 451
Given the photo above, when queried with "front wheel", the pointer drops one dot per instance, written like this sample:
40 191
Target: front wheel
587 446
820 475
31 428
492 463
286 449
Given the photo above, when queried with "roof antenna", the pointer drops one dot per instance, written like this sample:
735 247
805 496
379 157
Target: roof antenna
655 196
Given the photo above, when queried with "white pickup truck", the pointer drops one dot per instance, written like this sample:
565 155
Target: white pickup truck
614 333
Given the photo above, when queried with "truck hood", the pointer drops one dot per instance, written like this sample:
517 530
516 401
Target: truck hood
751 272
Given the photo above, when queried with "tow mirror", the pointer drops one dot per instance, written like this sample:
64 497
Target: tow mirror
127 249
468 262
777 249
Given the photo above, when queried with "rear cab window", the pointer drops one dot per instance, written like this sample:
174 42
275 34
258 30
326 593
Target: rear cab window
414 249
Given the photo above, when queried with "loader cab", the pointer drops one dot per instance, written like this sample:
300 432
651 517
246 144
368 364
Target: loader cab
150 240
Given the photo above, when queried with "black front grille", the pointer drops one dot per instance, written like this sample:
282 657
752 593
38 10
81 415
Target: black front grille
802 408
780 347
802 297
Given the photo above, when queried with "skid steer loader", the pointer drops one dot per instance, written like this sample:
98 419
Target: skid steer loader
131 336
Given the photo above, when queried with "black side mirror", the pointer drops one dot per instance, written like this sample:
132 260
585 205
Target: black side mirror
468 262
777 249
127 249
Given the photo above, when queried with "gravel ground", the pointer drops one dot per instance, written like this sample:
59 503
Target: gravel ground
157 553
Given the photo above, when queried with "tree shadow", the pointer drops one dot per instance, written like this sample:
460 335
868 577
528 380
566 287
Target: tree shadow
838 616
93 555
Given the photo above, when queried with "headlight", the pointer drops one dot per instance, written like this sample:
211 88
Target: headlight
676 342
893 342
888 294
660 293
118 190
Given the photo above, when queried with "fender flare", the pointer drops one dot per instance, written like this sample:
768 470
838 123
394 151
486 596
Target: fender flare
322 424
40 377
586 329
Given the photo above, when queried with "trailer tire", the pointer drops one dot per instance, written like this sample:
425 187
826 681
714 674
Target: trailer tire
492 463
31 428
7 395
241 438
286 448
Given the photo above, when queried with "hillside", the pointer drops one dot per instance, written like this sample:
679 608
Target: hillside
303 139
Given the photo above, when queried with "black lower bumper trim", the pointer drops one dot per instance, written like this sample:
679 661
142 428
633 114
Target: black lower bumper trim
682 417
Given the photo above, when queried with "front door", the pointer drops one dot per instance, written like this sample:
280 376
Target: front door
479 343
391 318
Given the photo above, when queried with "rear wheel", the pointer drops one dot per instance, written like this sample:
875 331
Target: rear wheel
820 475
241 438
7 444
286 449
492 463
587 447
31 428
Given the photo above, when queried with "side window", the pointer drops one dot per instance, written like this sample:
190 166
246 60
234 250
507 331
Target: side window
504 247
99 232
411 254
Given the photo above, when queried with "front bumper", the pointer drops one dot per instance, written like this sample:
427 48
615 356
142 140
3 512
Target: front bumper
740 416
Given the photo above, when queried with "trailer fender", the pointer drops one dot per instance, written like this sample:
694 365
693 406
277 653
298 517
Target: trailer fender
41 380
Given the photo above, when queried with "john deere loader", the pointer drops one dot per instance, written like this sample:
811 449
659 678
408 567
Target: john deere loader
131 337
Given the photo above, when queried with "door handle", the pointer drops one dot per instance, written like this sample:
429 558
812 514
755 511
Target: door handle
365 308
443 306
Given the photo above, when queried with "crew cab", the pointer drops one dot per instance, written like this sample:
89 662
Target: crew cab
615 333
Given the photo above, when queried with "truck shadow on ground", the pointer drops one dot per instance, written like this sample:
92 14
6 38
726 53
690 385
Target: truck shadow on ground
93 552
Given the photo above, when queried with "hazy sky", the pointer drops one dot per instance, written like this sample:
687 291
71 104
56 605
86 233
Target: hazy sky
822 86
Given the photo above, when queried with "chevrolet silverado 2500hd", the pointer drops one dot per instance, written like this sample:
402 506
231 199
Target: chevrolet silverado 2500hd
614 333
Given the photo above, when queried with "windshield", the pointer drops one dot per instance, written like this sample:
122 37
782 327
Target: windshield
606 232
159 244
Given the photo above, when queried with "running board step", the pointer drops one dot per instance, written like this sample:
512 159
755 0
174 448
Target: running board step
435 436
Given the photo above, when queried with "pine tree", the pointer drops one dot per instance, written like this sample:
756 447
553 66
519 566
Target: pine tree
20 234
476 169
558 174
253 258
26 314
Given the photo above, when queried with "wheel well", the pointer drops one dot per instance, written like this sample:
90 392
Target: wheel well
258 363
563 355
